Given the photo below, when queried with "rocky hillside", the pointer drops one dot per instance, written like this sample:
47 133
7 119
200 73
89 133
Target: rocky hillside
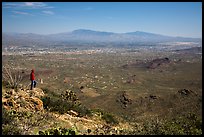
41 112
25 113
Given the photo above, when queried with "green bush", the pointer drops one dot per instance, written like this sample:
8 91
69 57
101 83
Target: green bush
7 118
109 118
11 130
56 104
5 84
183 125
58 131
64 103
82 110
49 92
9 124
46 90
20 122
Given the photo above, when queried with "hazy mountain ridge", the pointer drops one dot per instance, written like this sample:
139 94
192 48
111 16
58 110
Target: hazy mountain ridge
90 36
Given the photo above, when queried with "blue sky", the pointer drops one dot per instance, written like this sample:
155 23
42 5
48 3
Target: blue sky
167 18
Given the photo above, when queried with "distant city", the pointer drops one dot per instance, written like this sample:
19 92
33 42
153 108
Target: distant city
84 39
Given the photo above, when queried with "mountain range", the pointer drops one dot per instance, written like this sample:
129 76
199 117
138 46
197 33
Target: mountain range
91 36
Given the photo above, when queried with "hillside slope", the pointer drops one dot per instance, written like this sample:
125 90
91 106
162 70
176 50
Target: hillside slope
24 113
37 112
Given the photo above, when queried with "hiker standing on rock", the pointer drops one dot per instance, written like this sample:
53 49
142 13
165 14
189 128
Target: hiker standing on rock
32 78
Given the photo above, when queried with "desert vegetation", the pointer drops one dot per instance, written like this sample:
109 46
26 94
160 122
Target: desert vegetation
123 92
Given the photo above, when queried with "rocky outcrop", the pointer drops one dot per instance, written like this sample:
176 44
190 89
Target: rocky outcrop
124 99
35 103
23 99
147 63
186 92
94 125
9 103
37 92
157 62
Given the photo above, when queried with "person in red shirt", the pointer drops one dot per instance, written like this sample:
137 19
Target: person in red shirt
32 78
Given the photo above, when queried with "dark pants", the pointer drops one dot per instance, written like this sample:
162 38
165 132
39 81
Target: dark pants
33 84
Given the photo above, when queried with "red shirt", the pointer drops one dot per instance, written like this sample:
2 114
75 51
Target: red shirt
32 76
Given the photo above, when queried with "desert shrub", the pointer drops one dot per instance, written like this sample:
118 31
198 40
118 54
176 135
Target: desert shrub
64 103
11 76
183 125
45 90
5 84
56 104
11 130
188 124
21 122
11 116
82 110
9 124
108 117
50 92
7 116
58 131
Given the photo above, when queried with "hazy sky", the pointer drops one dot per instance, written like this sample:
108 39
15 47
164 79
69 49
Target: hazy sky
167 18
